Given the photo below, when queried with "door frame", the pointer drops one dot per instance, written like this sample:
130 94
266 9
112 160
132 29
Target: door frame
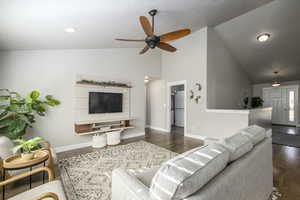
297 109
168 108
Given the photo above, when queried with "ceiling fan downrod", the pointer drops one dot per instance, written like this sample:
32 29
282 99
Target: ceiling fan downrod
152 13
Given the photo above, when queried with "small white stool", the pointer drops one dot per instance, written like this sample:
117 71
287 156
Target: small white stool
99 140
114 137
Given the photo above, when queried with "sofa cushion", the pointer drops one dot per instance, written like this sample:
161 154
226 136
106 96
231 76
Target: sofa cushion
255 133
238 145
183 175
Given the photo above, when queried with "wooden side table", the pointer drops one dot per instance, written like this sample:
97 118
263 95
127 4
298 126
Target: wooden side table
16 163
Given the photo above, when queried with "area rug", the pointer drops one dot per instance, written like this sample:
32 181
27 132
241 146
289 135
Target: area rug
88 176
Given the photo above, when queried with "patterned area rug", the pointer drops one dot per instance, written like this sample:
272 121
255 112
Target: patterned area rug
88 176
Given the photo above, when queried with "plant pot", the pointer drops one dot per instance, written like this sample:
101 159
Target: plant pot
99 140
27 156
114 137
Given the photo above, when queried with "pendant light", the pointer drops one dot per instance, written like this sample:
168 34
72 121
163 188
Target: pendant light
276 83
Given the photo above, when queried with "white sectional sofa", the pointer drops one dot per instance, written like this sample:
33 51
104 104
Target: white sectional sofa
248 174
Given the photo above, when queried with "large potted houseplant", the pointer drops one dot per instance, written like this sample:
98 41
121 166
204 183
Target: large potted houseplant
257 102
27 147
18 113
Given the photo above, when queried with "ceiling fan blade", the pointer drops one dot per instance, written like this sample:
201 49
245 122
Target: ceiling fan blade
145 49
130 40
166 47
146 25
174 35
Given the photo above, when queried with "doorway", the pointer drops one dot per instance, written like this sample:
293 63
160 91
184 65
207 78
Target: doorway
284 103
176 117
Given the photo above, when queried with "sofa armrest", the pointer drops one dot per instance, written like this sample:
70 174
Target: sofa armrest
50 195
126 186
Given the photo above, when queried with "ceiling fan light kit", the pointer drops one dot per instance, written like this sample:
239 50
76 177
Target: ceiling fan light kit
276 83
152 41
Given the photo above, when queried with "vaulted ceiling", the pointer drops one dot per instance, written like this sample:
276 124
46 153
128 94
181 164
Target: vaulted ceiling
37 24
280 53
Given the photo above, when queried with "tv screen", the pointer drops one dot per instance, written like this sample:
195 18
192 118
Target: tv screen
101 102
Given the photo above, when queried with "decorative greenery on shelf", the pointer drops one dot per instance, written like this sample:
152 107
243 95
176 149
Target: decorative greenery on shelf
27 146
18 113
104 83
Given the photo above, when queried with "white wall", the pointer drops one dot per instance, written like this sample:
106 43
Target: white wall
190 63
156 118
54 72
227 83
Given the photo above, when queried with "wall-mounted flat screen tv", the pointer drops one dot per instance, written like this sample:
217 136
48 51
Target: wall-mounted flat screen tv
102 102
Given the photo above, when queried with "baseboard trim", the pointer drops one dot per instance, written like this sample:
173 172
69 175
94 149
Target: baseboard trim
87 144
72 147
157 128
132 135
199 137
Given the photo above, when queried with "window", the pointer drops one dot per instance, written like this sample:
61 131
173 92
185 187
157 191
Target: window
292 106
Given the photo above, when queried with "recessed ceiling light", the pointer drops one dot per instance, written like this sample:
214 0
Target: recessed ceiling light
69 30
263 37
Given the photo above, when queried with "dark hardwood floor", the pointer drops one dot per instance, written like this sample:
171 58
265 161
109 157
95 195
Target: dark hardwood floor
289 130
286 161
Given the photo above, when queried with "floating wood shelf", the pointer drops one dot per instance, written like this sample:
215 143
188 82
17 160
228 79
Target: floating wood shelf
102 126
103 121
104 131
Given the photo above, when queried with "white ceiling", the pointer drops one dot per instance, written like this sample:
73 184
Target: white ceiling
39 24
280 18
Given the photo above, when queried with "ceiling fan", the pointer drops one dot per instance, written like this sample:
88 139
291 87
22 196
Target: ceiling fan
152 40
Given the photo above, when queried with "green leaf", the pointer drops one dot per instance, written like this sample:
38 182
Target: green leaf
49 97
4 89
4 130
26 119
19 108
17 148
3 107
39 109
51 101
36 139
3 114
34 94
28 99
5 122
30 117
13 135
4 98
17 126
28 145
20 141
17 95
